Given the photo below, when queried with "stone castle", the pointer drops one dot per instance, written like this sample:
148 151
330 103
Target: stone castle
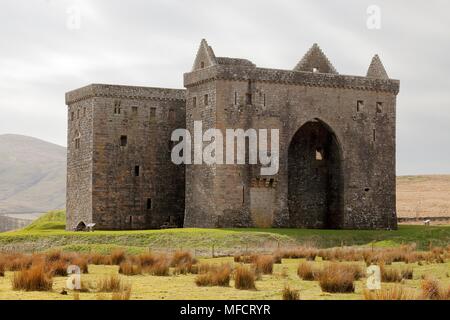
336 156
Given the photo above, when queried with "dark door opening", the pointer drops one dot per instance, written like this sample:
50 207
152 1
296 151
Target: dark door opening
315 179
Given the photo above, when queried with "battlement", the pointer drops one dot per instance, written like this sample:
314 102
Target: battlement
310 79
124 92
313 70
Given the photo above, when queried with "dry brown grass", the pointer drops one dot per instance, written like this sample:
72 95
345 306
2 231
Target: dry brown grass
129 268
390 274
33 279
290 294
99 259
263 264
423 196
159 268
244 278
217 276
118 256
111 283
125 294
306 271
335 278
395 293
433 290
180 258
57 268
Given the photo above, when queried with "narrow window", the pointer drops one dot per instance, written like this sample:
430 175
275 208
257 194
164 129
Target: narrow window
149 204
194 102
319 154
137 171
77 143
243 195
134 109
374 135
171 115
152 113
202 64
271 182
84 111
235 98
379 107
123 141
117 110
359 105
72 116
248 98
78 114
206 98
264 99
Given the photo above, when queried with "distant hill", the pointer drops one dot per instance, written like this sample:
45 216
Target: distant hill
423 196
32 175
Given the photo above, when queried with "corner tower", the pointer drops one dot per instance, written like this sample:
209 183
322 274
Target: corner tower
119 170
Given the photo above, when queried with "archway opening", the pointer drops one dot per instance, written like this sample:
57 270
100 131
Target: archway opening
315 178
81 226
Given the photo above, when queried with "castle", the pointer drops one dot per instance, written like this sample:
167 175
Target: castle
336 154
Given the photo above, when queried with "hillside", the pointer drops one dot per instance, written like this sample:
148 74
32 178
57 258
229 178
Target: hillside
32 175
423 196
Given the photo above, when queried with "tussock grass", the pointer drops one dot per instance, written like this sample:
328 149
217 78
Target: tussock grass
306 271
263 264
334 278
432 289
129 268
215 276
244 278
111 283
395 293
33 279
290 294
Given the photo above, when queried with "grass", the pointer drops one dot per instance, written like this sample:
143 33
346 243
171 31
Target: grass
146 286
244 278
33 279
48 232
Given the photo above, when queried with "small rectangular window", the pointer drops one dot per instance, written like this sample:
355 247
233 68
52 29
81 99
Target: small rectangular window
78 114
248 98
194 102
374 135
171 115
134 109
235 98
206 98
77 143
137 171
72 116
319 154
152 113
84 111
149 204
379 107
123 141
264 99
359 105
117 110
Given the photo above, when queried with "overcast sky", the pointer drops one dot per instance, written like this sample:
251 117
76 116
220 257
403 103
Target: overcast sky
44 53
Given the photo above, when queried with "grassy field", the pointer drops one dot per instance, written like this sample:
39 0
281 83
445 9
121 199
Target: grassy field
180 287
423 196
48 232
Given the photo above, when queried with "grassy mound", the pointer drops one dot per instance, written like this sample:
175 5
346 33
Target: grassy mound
48 232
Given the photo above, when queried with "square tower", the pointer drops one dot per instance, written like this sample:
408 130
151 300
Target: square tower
119 170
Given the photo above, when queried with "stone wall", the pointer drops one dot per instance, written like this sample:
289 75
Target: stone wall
134 184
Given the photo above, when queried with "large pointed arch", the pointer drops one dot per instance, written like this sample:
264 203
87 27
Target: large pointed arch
315 179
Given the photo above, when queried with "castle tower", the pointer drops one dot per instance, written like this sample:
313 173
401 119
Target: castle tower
337 144
119 170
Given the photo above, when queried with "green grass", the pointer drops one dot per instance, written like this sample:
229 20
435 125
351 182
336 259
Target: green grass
48 232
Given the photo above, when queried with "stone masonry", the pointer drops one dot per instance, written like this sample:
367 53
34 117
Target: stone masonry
337 149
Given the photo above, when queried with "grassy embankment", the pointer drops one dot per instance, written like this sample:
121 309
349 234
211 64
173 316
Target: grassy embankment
48 232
